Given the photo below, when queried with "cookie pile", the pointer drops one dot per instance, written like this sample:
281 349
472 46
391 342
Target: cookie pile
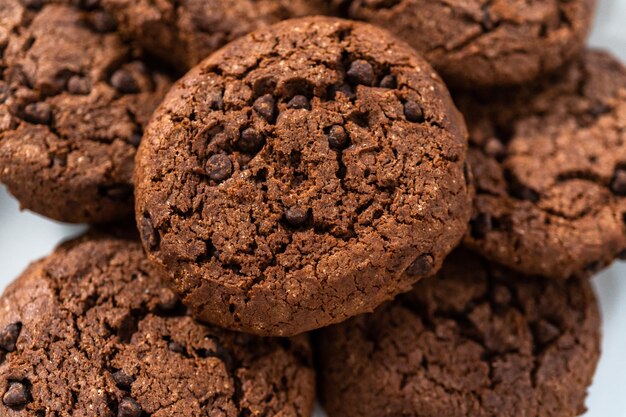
428 186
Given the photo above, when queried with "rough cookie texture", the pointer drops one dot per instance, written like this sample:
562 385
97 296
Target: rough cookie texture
92 331
184 32
482 42
477 340
290 179
73 102
549 165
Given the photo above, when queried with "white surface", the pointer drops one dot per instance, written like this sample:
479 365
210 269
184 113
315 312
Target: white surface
25 237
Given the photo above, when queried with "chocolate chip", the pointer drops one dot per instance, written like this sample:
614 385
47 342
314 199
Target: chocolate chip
148 234
362 72
545 332
481 224
598 109
124 82
33 4
9 335
122 380
176 347
622 255
265 106
38 113
618 185
102 22
129 408
413 112
299 102
78 85
388 81
422 266
337 137
250 141
219 167
296 216
216 100
16 395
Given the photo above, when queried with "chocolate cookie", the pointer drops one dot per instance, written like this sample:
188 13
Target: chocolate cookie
92 331
73 102
288 181
549 164
482 42
477 340
185 32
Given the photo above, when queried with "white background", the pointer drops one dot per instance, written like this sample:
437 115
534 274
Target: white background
25 237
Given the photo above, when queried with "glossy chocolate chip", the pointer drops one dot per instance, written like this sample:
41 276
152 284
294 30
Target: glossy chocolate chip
296 216
16 395
337 137
124 82
9 336
265 107
422 266
361 72
219 167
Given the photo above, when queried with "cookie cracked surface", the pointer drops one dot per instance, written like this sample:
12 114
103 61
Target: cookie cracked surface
185 32
481 43
73 103
549 166
477 340
288 181
92 331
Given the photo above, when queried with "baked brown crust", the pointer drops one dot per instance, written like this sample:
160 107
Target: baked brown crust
290 179
91 330
549 166
73 103
477 340
481 43
185 32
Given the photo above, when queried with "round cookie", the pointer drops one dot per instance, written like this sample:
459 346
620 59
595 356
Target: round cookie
481 43
477 340
185 32
301 170
73 103
549 165
92 331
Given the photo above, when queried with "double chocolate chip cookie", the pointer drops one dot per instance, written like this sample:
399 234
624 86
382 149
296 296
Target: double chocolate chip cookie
185 32
549 164
482 42
73 102
92 331
288 181
477 340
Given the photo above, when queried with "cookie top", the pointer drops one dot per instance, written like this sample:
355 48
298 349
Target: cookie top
482 42
290 179
549 165
73 102
92 331
185 32
477 340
